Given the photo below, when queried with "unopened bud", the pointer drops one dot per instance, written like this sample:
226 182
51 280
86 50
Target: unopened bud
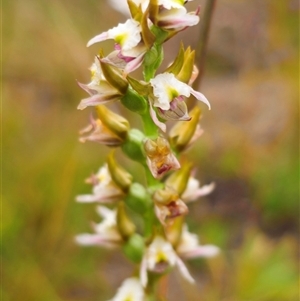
112 75
181 134
134 248
179 179
164 196
114 122
134 102
119 175
125 226
133 145
138 199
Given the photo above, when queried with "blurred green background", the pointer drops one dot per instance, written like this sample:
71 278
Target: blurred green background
249 149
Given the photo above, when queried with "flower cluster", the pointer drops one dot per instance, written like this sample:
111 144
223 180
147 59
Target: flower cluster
164 240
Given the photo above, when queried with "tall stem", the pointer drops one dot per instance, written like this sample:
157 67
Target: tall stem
203 39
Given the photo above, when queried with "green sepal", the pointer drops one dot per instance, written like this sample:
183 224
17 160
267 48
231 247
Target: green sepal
153 59
176 66
135 11
179 179
120 176
138 198
148 36
125 226
153 9
134 102
133 145
134 248
160 34
112 75
182 132
187 68
138 86
114 122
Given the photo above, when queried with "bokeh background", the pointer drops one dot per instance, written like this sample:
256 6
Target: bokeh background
249 149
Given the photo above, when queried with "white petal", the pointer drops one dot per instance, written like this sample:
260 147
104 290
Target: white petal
143 272
200 97
184 271
202 251
99 38
160 124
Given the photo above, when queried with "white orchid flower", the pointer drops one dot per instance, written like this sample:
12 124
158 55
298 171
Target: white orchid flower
159 256
177 18
130 290
106 233
189 246
167 89
96 131
104 190
168 97
194 191
126 35
99 89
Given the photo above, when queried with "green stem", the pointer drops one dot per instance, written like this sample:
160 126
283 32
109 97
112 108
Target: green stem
150 127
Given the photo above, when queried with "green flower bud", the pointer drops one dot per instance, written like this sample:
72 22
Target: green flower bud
140 87
178 180
174 230
134 102
125 226
182 133
134 248
114 122
133 145
113 76
138 199
176 66
119 175
188 65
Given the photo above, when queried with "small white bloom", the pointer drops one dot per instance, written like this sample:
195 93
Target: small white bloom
159 256
193 190
96 131
104 190
96 73
130 290
189 246
106 233
127 35
166 89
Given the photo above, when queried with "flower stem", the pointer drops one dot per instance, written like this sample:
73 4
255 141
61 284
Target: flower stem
203 39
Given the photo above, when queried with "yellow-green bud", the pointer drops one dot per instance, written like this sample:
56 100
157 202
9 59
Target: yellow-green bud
125 226
114 122
119 175
134 102
133 145
138 199
178 180
113 76
134 248
183 131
